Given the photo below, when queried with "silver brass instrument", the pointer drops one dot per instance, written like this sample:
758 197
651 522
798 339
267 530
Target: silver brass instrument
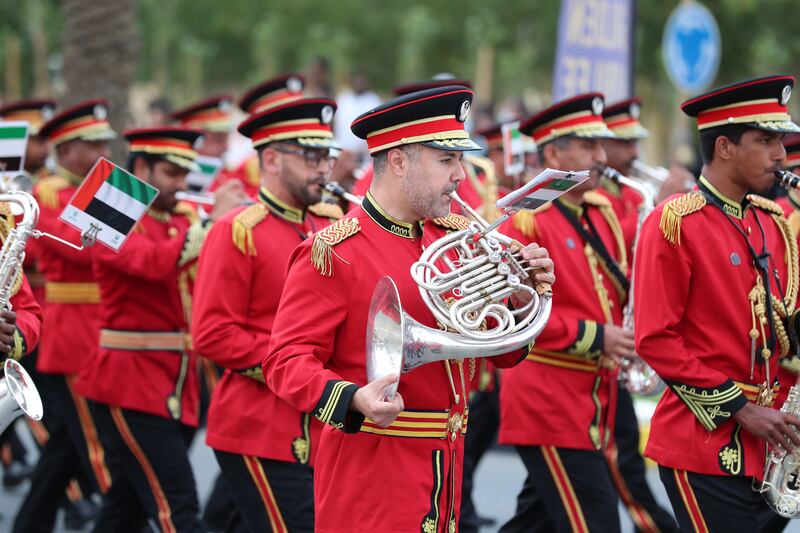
781 485
635 374
657 174
337 190
475 267
18 394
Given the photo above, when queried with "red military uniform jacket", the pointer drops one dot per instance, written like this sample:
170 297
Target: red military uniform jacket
69 339
240 279
29 319
145 361
564 393
694 316
626 202
402 478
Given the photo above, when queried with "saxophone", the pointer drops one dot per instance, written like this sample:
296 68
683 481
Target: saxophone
781 485
18 394
635 374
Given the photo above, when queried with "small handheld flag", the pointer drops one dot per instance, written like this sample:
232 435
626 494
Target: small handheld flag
109 203
546 187
209 168
13 141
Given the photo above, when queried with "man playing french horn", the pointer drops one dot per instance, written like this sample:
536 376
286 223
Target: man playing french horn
717 275
383 465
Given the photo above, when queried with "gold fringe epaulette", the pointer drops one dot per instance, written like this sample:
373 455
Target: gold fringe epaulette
675 210
326 210
525 222
326 239
596 199
765 204
452 222
47 191
186 209
242 227
791 363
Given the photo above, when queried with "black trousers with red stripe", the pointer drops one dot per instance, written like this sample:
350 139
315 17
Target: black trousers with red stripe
66 455
153 479
270 495
628 472
565 491
706 503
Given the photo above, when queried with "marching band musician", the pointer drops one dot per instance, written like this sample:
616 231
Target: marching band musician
557 407
716 276
625 461
264 446
382 465
79 137
143 379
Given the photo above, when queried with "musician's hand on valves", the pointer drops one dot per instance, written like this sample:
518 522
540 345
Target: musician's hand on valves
543 271
771 425
229 196
7 327
618 343
370 401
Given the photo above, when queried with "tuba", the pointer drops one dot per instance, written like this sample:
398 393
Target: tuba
781 485
635 374
18 394
464 279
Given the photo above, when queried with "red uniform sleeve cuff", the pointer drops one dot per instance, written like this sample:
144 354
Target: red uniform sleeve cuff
589 340
334 406
711 405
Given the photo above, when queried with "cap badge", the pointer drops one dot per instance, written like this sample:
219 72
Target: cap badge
326 115
635 110
225 105
100 112
198 143
786 93
597 105
47 112
463 112
294 84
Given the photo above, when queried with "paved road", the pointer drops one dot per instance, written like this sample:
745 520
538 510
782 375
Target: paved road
498 480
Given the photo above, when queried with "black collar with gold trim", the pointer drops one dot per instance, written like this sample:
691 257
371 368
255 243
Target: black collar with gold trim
390 224
728 206
278 208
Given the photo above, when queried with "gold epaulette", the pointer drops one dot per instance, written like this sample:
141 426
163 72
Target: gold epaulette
525 222
452 222
186 209
675 210
252 170
326 239
765 204
596 199
326 210
47 190
243 224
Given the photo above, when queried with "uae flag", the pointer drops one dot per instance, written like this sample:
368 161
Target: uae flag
209 168
545 187
13 140
110 199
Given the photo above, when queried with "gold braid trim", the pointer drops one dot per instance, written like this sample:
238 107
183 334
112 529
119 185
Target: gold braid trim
47 190
765 204
781 309
326 210
326 239
242 227
452 222
675 210
596 199
525 222
794 222
186 209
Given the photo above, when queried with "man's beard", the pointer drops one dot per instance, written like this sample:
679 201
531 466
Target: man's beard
425 202
300 190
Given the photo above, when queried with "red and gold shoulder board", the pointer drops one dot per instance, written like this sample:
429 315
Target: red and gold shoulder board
765 204
675 210
326 239
596 199
243 224
326 210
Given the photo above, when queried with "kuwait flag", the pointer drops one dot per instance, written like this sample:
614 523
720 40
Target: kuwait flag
13 140
545 187
111 199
